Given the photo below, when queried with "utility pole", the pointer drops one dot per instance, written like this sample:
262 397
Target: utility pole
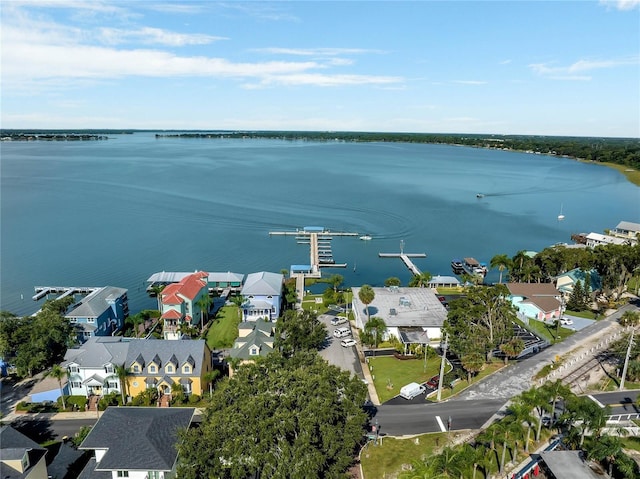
444 356
626 361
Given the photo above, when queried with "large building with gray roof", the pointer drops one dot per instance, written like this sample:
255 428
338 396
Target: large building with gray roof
101 313
413 315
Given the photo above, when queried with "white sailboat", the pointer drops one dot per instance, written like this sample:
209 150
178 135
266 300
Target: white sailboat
560 216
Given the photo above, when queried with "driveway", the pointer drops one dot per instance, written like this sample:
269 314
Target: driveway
334 353
578 323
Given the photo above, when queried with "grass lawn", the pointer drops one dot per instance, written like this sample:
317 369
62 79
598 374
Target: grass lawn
224 331
386 459
582 314
547 331
390 374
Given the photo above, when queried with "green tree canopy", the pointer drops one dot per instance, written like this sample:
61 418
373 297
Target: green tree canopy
299 330
297 418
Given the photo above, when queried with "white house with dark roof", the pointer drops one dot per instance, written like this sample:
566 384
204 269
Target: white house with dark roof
541 301
150 363
138 443
263 296
100 313
413 315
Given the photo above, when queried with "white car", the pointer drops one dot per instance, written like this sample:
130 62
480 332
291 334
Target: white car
341 332
347 343
565 321
338 320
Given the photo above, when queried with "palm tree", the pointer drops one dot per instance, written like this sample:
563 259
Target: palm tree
521 412
122 372
557 390
512 348
629 318
472 363
366 295
203 304
420 280
376 327
59 373
210 377
336 280
606 449
535 398
238 300
502 262
157 290
507 429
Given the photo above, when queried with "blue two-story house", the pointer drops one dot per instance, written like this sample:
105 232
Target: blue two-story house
262 293
101 313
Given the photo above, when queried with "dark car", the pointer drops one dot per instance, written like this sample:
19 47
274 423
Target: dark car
433 382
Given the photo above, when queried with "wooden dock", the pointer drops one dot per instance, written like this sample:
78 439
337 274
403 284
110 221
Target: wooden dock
406 259
63 291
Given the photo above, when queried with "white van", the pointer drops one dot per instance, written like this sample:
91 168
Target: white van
338 320
412 390
341 332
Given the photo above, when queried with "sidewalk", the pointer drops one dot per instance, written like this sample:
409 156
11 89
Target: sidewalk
373 394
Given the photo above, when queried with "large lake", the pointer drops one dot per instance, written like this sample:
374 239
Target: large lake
114 212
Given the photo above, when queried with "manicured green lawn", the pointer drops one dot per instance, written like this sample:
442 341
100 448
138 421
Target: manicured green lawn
224 330
582 314
390 374
547 331
386 459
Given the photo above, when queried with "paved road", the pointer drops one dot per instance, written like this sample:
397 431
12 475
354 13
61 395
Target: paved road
43 427
400 418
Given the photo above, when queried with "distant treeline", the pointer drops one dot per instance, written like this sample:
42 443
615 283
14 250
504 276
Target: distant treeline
48 135
622 151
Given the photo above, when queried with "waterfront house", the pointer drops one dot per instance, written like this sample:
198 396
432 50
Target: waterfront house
263 296
255 339
181 304
597 239
628 231
439 281
565 281
101 313
138 443
20 457
150 363
413 315
541 301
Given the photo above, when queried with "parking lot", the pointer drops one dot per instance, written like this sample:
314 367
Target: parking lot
334 353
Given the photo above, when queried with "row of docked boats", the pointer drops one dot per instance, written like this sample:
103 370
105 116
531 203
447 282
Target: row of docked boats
469 266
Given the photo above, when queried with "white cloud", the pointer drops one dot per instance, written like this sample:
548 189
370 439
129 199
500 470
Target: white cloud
569 72
317 51
621 4
155 36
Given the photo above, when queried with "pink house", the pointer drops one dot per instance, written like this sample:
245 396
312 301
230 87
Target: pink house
180 303
539 301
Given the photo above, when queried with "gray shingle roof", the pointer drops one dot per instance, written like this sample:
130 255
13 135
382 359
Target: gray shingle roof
263 284
96 303
138 438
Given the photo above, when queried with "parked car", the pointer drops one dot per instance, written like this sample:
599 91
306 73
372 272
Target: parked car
338 320
433 382
347 343
565 321
341 332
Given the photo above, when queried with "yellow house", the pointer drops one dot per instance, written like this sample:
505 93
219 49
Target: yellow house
93 367
163 364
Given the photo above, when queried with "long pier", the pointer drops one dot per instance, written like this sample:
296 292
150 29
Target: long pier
63 291
406 259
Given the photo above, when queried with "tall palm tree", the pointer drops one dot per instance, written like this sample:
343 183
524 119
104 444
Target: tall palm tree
157 290
376 327
366 295
556 390
502 262
203 303
536 399
508 430
59 373
522 413
238 300
122 372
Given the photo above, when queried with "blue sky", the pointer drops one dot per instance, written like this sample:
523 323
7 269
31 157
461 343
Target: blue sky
512 67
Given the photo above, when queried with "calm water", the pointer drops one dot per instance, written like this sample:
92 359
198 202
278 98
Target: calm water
114 212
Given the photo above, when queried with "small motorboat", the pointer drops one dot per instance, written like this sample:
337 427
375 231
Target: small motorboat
365 237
